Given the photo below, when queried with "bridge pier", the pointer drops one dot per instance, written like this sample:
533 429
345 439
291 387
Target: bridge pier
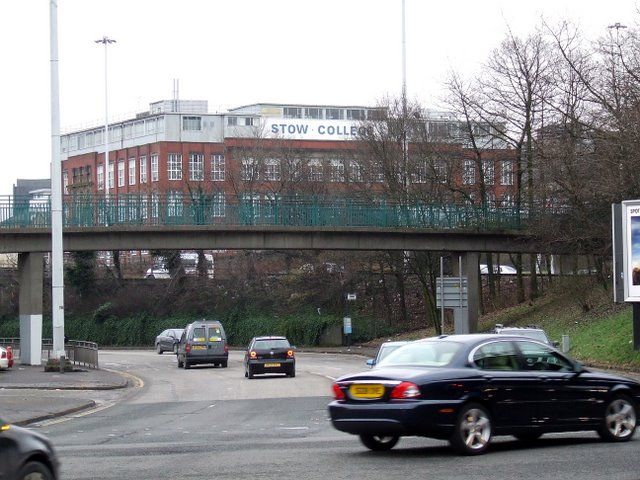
470 269
30 270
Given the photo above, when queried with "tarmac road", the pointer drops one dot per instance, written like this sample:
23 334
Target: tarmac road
213 423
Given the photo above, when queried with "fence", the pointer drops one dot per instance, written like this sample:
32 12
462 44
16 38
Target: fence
78 352
174 209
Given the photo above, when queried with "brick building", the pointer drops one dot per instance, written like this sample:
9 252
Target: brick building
177 149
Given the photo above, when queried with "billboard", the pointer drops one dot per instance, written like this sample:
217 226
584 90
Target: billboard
631 249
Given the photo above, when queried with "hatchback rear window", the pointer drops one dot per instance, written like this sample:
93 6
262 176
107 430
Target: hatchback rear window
199 334
214 334
423 354
271 344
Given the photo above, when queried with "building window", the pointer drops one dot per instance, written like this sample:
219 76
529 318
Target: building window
440 170
191 123
420 174
132 171
155 205
217 168
292 112
110 175
121 173
196 167
232 121
143 169
174 203
100 177
337 171
250 121
144 207
174 166
294 167
355 114
272 170
150 125
469 172
488 170
507 200
65 182
506 172
313 113
377 172
154 168
491 198
355 172
138 129
250 171
218 203
315 171
333 114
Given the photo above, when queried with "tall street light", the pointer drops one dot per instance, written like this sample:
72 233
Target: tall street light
57 273
106 41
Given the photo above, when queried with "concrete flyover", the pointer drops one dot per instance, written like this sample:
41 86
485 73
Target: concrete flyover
266 237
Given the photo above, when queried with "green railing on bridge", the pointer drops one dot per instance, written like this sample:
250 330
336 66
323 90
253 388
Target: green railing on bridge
217 209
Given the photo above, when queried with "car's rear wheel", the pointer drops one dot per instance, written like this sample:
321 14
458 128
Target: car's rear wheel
35 471
292 373
159 349
379 442
180 363
224 364
186 364
249 372
472 432
620 419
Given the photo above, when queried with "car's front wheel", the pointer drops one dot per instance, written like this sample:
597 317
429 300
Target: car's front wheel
619 422
35 471
472 432
379 442
159 349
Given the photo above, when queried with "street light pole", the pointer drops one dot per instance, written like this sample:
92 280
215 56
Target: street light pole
106 41
405 145
57 272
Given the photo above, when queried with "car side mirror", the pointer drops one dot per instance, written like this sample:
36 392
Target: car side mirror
371 362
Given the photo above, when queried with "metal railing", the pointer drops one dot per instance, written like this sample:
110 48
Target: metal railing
226 210
78 352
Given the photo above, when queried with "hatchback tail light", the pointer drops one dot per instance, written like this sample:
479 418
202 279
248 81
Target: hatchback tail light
405 390
187 348
253 354
290 353
338 394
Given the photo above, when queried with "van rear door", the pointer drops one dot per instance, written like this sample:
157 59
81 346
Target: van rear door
215 340
199 341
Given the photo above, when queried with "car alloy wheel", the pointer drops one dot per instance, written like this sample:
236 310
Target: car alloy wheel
158 349
379 442
619 420
472 432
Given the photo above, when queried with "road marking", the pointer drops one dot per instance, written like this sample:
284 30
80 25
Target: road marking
293 428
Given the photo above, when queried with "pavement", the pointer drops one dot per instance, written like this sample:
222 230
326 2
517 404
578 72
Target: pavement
28 394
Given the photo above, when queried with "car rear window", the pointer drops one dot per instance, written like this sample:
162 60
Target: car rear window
423 354
199 334
535 334
271 344
215 335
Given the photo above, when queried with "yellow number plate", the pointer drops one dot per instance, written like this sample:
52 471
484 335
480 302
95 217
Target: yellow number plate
271 365
366 391
199 347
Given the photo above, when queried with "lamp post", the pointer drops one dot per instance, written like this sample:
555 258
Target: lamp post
106 41
57 272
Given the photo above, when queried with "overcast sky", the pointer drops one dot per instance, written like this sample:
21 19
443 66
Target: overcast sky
238 52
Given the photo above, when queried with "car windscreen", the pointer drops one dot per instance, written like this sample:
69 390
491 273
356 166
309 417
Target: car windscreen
271 344
423 354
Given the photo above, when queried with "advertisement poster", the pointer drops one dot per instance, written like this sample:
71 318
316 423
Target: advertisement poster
631 249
